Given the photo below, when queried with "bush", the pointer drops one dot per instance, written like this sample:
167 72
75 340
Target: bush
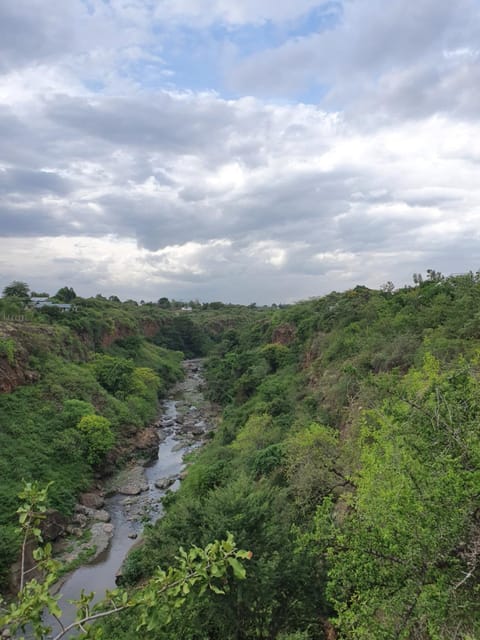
114 374
98 437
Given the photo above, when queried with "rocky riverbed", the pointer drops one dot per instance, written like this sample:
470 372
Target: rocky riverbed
109 519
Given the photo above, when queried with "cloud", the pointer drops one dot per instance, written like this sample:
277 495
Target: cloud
200 191
114 178
395 60
205 12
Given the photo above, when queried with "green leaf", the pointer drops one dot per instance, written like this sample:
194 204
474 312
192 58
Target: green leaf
238 569
217 590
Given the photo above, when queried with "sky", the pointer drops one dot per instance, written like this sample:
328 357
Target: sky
240 150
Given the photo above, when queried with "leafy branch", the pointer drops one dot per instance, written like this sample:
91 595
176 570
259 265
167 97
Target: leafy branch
200 568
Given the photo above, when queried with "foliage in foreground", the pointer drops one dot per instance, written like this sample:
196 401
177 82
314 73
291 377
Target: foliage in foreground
195 571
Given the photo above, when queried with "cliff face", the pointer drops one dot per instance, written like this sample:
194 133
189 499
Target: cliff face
22 342
117 333
147 328
14 375
19 341
17 344
284 334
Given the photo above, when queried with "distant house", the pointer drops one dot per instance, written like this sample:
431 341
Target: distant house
186 309
40 303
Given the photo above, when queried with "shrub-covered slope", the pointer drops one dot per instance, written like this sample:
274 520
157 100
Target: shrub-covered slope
348 461
75 386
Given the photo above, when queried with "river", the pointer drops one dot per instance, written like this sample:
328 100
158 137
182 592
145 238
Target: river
185 418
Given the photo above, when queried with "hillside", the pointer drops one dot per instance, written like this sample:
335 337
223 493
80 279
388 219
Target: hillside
348 462
106 359
347 459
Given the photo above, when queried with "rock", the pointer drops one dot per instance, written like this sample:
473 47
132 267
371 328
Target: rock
164 483
130 490
131 482
101 515
80 519
133 535
169 422
101 536
197 432
178 447
146 443
74 531
183 474
80 508
92 500
54 525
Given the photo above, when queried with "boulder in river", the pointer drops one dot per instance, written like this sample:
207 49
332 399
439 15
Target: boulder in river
132 489
101 515
101 536
131 481
164 483
146 443
92 500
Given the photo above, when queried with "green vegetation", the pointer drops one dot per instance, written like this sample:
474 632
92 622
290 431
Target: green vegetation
7 348
348 460
97 437
98 379
347 457
17 289
198 569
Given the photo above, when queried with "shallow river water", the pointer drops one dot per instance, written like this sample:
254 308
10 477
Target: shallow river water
185 405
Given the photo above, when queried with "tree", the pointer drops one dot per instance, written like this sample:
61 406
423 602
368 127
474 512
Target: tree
65 294
114 374
98 435
74 411
403 559
198 568
17 289
311 464
164 303
388 287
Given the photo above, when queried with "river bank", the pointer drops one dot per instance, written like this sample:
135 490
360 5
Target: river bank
133 497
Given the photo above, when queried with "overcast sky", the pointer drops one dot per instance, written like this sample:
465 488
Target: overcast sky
237 150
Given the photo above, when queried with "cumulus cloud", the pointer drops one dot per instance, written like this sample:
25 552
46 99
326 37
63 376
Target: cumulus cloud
402 60
113 179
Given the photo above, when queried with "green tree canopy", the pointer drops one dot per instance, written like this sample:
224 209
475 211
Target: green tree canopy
98 435
66 294
114 374
17 289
